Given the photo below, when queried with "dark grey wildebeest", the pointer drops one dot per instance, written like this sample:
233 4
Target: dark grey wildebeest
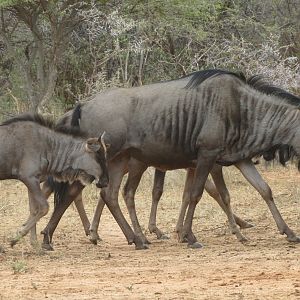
31 149
221 195
193 122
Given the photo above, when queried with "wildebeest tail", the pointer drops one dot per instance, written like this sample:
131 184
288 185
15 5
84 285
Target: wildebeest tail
75 120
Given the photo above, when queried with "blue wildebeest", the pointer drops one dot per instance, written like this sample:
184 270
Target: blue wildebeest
194 122
32 149
220 192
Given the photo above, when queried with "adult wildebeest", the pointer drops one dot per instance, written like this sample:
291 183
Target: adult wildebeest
193 122
284 154
32 149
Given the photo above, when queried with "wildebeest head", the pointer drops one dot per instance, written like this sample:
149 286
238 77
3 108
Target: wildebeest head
91 165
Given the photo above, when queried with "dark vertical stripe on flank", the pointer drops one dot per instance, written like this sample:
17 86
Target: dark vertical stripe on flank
168 124
198 118
174 123
190 118
182 120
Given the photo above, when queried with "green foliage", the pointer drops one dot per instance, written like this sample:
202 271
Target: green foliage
102 44
7 3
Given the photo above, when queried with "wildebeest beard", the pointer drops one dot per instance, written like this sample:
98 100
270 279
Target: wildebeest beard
70 175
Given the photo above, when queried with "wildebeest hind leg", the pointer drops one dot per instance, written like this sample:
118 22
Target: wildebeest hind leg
251 174
39 207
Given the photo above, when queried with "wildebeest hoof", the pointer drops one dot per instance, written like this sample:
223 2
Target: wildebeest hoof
94 241
12 242
195 245
182 240
145 241
94 237
141 247
246 225
47 247
294 239
163 237
242 239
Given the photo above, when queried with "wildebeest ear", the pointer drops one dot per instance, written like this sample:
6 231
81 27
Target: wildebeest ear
92 145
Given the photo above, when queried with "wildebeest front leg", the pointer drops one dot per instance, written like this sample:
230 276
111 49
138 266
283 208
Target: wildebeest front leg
251 174
218 179
211 189
39 207
203 167
158 185
110 196
184 204
94 237
135 171
82 214
213 192
47 191
73 191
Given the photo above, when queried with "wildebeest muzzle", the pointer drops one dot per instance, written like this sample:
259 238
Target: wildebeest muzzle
102 182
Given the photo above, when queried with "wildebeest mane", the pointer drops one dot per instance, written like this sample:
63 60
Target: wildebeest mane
259 83
45 122
200 76
282 153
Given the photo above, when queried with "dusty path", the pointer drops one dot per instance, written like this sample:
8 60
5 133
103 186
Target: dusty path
266 267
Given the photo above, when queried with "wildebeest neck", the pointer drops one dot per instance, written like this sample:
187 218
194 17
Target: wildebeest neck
60 151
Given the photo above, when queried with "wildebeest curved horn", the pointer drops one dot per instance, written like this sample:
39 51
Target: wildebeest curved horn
103 142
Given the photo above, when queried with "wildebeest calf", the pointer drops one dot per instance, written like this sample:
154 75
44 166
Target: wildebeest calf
32 148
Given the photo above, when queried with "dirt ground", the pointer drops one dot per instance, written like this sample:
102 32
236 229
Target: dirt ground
265 267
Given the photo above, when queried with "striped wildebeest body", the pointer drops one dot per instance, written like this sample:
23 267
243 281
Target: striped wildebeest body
194 122
283 153
32 149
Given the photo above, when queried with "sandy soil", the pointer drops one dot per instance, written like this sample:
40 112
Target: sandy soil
266 267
